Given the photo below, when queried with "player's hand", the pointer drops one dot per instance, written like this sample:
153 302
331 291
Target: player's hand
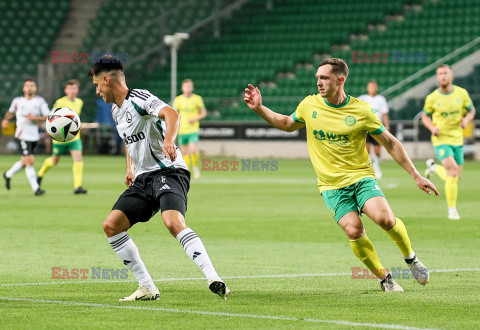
129 177
31 117
426 185
4 123
169 150
464 123
253 97
191 121
435 131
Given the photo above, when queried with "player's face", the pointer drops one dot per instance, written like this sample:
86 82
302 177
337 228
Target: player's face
444 76
103 88
29 88
328 83
372 88
187 88
71 91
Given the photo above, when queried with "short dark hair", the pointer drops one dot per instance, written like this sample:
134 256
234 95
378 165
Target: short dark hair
72 82
444 66
339 66
29 79
106 63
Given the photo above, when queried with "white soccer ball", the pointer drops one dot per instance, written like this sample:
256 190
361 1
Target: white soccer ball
63 124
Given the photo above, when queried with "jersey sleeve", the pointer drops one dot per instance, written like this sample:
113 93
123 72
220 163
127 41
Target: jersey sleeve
153 105
428 108
467 101
201 105
373 125
176 103
80 107
384 106
299 113
13 106
44 109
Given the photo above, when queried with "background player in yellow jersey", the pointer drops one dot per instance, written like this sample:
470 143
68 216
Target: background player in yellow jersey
192 110
337 125
447 112
75 146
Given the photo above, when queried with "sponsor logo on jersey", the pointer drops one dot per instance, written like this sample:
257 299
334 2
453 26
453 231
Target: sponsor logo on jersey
449 113
332 138
133 138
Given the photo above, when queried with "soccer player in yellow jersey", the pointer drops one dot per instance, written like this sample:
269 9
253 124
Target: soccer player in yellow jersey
337 125
192 110
447 112
75 146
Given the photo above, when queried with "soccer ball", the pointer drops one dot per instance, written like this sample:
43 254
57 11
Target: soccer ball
63 124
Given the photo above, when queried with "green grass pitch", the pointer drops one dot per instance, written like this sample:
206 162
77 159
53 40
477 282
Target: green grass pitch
270 237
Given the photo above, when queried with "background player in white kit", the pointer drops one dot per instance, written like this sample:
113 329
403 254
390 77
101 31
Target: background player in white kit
379 104
29 110
157 176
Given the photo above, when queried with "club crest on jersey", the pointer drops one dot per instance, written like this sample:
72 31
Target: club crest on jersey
350 120
314 114
332 138
129 117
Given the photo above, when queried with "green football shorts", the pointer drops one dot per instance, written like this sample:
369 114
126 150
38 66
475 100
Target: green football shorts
59 149
445 150
187 138
351 198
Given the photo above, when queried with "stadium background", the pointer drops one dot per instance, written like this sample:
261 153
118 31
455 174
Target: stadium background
275 44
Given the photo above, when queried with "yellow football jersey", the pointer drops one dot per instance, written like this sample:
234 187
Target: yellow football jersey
76 105
188 108
336 139
447 110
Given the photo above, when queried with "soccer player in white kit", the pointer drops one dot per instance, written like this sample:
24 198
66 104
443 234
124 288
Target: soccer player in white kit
29 109
157 177
379 104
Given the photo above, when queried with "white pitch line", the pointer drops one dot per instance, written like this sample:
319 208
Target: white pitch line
174 279
241 315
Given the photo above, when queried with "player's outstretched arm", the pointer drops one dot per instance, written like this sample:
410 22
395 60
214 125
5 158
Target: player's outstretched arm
172 120
428 123
396 150
253 98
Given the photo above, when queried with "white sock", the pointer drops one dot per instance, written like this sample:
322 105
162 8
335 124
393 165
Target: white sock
410 256
452 209
376 160
193 246
127 251
14 169
32 177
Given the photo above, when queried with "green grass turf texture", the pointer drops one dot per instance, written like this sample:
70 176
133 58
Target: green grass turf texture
253 224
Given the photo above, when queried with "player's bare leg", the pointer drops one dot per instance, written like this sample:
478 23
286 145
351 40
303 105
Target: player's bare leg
365 251
451 185
193 246
77 170
115 227
378 209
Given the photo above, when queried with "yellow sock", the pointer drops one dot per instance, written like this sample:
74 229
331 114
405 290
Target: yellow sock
186 158
47 164
399 235
77 174
451 190
441 172
195 159
365 251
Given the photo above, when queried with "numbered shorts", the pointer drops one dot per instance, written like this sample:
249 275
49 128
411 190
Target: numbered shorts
27 147
164 189
351 198
187 138
59 149
445 150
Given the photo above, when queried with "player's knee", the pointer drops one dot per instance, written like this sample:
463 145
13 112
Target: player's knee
109 228
386 220
55 161
354 232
